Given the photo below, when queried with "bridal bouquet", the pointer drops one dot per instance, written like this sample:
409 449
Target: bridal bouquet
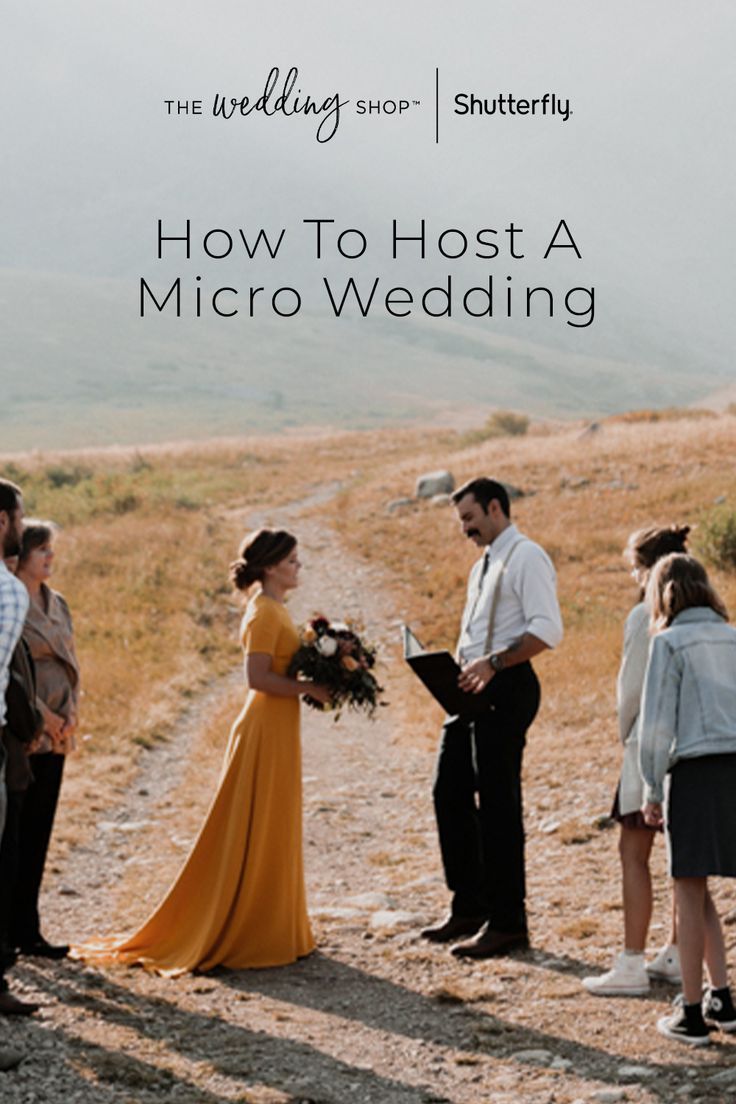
333 654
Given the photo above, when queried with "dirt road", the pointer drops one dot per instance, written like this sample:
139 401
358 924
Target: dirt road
377 1015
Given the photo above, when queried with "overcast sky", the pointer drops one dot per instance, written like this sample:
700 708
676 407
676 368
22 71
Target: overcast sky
643 170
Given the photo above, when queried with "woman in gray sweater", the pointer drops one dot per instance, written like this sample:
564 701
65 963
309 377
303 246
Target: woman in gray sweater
630 973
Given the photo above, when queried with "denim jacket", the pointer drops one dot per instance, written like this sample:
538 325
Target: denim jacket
688 706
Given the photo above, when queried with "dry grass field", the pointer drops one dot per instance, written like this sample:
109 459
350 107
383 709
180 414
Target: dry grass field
146 537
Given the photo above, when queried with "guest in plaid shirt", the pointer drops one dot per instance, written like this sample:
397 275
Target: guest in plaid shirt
13 595
13 609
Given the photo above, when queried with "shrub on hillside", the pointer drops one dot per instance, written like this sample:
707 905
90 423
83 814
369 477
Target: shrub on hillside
717 538
60 476
505 423
13 473
502 423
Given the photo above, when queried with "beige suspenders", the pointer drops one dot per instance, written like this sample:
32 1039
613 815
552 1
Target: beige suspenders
500 569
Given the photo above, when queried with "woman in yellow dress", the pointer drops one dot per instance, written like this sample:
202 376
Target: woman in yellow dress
239 899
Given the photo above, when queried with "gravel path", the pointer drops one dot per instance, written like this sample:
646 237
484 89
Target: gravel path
376 1015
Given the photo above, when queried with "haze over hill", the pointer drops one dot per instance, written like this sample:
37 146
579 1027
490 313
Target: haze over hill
641 171
82 368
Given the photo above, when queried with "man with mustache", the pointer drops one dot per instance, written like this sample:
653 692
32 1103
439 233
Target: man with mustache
511 615
13 609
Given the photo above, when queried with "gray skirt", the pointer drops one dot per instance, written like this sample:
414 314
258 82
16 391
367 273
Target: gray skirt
701 817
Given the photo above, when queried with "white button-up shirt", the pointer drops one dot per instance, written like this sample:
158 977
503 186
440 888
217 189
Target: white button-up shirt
527 597
13 609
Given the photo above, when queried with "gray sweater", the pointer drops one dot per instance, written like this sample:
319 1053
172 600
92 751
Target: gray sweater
628 701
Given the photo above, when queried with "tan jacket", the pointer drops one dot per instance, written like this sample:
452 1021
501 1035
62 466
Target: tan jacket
49 635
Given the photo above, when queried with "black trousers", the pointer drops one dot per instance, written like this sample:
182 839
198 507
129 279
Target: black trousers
3 807
9 868
478 803
36 822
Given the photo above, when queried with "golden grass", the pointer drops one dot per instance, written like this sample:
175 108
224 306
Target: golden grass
580 929
147 536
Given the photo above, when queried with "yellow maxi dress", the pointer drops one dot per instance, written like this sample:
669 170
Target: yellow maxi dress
239 899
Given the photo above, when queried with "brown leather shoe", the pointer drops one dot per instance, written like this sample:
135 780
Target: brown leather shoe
454 927
491 943
41 948
11 1006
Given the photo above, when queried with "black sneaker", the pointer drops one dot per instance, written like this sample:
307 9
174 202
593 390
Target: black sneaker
718 1010
677 1026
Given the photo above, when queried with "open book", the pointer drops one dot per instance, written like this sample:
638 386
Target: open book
439 672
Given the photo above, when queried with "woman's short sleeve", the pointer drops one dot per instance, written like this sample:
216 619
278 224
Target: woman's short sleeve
260 630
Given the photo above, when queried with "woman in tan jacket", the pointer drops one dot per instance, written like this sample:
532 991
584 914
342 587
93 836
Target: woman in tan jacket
48 633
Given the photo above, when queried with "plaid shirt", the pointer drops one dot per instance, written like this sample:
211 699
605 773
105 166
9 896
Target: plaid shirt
13 610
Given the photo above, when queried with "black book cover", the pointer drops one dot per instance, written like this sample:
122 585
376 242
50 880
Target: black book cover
439 672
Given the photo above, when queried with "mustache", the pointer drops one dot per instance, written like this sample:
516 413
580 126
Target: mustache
472 533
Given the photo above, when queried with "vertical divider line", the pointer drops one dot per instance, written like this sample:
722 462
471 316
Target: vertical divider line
436 106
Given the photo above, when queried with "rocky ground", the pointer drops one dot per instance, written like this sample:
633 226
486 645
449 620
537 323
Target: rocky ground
376 1015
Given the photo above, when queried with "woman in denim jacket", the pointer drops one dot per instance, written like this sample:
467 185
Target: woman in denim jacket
688 730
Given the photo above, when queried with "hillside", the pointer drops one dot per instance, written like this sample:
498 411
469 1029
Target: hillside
80 365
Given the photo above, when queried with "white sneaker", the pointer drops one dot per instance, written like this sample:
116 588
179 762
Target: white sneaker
665 966
626 978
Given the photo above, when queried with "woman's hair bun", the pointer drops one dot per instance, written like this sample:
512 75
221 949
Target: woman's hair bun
646 546
241 574
259 550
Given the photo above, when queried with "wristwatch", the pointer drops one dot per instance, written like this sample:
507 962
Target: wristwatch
496 661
